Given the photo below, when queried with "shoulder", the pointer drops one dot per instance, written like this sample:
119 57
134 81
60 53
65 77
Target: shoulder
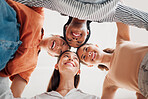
108 82
86 95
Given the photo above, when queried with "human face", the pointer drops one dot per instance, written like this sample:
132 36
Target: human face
69 63
55 45
90 54
76 34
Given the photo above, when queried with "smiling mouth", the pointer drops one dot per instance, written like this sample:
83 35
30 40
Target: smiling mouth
93 56
53 45
76 34
70 63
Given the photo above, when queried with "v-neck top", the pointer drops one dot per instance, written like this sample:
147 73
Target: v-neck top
72 94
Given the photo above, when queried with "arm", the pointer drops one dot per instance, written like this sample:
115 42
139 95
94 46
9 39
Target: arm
123 32
108 91
140 96
17 86
131 16
113 11
94 11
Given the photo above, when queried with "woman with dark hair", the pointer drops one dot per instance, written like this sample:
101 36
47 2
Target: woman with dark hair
76 32
63 83
55 78
65 78
127 65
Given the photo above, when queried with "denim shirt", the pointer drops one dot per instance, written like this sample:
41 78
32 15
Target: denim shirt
9 33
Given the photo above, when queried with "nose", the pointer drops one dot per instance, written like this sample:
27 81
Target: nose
89 54
59 47
71 59
75 39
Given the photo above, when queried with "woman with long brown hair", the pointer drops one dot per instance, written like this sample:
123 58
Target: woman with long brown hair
65 78
127 66
63 83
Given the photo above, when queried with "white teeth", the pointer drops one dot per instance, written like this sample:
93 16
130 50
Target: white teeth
94 54
53 45
75 34
70 64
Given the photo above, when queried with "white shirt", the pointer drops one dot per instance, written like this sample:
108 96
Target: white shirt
5 93
72 94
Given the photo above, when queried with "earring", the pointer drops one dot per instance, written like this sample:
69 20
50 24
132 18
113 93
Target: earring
56 67
96 45
79 71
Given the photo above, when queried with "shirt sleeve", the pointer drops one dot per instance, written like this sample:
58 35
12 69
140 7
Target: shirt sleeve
131 16
110 11
25 75
94 11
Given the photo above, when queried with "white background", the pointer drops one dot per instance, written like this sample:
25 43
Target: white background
103 34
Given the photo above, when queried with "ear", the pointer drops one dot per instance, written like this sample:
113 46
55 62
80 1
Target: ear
96 45
66 27
79 71
56 67
87 32
90 65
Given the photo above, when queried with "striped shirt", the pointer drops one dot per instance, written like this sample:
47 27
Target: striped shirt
95 10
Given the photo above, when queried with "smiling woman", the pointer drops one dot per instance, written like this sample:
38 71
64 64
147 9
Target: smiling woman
54 45
65 78
63 83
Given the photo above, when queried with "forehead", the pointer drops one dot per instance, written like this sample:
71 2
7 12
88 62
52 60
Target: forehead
82 47
70 54
57 37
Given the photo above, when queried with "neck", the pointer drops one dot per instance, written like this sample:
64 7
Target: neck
66 83
42 43
106 59
77 21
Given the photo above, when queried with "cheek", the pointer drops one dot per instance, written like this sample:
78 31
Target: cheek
67 32
83 38
66 47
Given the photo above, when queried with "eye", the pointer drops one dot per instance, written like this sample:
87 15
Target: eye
60 51
76 58
63 43
84 57
86 49
69 39
66 56
79 41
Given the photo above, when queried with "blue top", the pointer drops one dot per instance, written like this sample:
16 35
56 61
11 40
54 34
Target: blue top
9 33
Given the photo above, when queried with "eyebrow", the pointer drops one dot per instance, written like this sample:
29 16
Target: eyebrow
69 42
66 53
78 45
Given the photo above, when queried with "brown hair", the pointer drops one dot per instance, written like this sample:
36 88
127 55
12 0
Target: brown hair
55 78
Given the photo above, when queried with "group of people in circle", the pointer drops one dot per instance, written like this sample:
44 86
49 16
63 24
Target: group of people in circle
21 41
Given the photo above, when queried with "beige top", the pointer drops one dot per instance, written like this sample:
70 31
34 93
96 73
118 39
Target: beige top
125 64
